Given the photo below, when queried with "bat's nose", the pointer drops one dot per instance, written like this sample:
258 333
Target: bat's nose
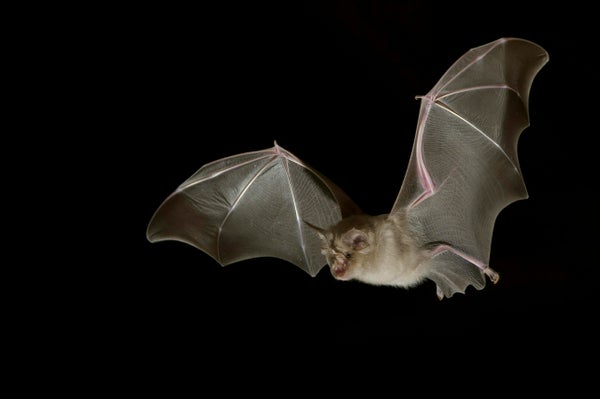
341 260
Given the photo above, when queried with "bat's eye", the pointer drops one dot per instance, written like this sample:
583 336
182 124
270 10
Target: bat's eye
348 255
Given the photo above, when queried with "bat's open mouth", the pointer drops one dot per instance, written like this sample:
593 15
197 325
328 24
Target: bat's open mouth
339 270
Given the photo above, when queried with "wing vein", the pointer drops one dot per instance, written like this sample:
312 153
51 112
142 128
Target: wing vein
296 208
187 185
466 67
478 130
424 176
474 88
236 202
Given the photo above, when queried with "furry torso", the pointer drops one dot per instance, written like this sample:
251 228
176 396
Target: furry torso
378 250
396 259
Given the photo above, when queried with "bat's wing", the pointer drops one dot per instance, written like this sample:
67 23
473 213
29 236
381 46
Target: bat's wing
464 167
253 205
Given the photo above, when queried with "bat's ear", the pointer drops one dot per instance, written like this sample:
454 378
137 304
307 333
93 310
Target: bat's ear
356 239
321 232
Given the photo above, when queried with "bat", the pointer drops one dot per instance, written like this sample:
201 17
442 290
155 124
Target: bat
462 171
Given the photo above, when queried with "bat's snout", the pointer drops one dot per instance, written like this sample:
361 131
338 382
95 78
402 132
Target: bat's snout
339 268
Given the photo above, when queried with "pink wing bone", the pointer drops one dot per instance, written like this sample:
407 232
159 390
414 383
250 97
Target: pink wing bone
424 176
286 156
267 154
425 179
273 154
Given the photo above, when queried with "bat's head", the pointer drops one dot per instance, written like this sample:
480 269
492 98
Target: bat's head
345 247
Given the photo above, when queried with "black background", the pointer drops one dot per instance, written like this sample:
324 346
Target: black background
334 83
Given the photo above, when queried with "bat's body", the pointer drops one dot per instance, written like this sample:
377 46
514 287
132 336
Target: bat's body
378 250
462 172
385 250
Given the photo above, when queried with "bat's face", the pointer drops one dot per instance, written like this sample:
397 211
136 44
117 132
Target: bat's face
339 262
345 252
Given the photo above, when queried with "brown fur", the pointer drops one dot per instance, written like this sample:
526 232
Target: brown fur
379 250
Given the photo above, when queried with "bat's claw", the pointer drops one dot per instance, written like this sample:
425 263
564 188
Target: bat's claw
439 292
492 274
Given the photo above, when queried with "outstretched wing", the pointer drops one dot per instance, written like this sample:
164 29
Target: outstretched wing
464 167
253 205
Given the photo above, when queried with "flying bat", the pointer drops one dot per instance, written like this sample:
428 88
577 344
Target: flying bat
463 170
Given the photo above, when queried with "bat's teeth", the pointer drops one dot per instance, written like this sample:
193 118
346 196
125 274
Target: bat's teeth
338 270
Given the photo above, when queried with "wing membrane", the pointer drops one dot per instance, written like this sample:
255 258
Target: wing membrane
253 205
464 168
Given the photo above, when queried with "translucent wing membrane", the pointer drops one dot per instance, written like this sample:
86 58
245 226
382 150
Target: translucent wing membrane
464 167
253 205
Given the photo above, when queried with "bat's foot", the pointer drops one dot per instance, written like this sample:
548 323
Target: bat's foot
439 292
492 274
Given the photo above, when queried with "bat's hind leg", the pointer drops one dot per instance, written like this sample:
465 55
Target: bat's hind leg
437 248
491 273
